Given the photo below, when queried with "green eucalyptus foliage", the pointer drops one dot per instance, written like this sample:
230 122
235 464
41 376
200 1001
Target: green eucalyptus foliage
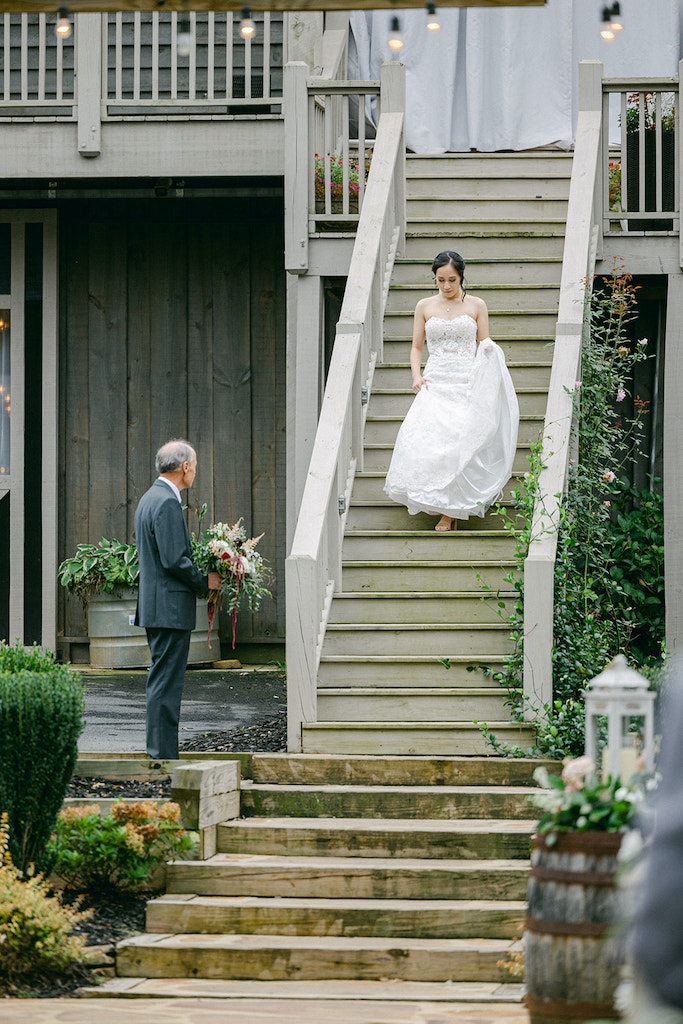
100 566
41 718
609 568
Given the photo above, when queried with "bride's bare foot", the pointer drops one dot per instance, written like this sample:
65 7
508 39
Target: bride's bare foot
444 524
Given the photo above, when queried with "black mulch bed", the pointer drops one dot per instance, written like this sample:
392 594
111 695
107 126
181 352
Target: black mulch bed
86 788
267 736
117 916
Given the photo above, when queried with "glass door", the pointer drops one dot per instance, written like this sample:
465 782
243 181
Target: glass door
28 426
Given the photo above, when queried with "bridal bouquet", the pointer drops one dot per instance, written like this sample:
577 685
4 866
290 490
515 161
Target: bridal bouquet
227 550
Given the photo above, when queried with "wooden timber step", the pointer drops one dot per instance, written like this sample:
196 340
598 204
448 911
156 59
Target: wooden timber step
390 378
411 704
420 606
319 995
428 544
353 918
367 770
471 839
357 878
397 671
310 958
470 638
485 245
387 517
432 738
382 802
394 575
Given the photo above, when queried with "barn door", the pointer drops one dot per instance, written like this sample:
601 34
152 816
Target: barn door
28 426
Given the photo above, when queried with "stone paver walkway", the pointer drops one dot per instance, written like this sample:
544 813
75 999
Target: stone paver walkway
252 1011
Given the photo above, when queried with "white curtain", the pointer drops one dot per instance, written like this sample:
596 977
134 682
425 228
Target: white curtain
507 78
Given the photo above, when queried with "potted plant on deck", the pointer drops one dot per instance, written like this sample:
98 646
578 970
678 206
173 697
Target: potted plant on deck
105 577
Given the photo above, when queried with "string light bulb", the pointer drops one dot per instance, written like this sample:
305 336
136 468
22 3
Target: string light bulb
63 26
606 30
611 21
184 36
616 18
432 20
247 25
395 35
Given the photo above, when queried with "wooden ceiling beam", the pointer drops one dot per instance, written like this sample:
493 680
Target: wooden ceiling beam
83 6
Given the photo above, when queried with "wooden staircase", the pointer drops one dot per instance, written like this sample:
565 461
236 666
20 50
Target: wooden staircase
414 614
345 876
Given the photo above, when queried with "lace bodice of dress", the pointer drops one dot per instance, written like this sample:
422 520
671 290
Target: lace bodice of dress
457 337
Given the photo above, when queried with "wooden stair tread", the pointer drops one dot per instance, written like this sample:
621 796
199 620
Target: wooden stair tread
305 942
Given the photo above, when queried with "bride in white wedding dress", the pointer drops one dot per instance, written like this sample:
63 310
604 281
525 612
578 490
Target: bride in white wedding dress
454 451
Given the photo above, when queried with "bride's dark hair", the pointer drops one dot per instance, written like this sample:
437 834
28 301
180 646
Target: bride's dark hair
451 259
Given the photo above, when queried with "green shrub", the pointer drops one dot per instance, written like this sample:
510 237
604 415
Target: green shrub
35 930
119 850
41 718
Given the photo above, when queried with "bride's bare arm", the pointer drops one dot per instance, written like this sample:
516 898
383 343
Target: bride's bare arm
482 320
417 346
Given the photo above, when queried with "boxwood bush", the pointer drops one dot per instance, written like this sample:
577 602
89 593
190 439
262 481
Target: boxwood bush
41 718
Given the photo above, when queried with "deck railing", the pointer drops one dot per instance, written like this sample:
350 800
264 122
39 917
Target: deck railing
641 180
142 67
37 67
313 568
127 64
578 263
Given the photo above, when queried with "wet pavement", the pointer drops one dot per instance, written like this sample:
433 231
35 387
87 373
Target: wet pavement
213 700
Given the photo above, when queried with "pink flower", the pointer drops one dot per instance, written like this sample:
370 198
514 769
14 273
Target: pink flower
577 385
574 773
608 503
643 342
621 395
609 477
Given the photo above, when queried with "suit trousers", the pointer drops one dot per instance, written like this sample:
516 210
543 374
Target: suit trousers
169 649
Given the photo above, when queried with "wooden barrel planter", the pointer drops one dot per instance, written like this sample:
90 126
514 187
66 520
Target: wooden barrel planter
572 960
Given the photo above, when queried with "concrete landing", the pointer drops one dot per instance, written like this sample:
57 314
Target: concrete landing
254 1011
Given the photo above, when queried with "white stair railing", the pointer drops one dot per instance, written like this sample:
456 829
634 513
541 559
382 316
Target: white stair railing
578 263
313 568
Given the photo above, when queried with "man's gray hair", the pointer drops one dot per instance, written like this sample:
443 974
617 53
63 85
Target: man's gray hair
171 456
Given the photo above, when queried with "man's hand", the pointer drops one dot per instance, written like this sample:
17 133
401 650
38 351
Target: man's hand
214 581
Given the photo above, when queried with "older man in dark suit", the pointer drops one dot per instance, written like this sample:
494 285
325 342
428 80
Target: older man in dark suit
169 583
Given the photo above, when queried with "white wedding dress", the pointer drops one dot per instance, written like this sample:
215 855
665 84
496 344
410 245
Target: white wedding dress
454 451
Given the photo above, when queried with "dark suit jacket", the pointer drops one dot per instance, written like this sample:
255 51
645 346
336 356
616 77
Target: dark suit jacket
169 581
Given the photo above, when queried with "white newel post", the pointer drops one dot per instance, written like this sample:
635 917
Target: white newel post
297 171
89 83
393 101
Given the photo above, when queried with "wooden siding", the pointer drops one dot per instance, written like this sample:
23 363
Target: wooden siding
172 324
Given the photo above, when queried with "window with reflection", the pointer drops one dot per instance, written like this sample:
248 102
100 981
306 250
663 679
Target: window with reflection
5 399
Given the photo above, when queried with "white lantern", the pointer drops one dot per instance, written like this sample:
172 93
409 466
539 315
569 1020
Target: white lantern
620 694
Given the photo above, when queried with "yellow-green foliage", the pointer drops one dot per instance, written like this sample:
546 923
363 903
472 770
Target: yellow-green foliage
35 931
119 850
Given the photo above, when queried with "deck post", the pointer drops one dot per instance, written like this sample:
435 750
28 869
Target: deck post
297 171
89 83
